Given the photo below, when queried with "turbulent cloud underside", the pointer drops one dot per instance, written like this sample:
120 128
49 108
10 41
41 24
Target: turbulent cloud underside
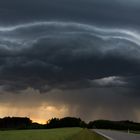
79 58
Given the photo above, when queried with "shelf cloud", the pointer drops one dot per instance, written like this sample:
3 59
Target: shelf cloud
70 59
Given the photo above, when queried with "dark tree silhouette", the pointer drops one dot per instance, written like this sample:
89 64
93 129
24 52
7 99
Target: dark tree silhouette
9 123
15 123
65 122
116 125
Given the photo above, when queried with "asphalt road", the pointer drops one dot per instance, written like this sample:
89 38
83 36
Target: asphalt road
117 135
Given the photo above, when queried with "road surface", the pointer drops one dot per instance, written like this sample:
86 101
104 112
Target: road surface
117 135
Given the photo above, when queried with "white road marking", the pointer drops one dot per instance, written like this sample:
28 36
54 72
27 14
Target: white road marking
103 135
117 135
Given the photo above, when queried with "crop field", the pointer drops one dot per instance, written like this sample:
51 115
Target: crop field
51 134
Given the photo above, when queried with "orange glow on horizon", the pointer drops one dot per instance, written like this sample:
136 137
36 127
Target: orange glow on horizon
32 104
39 121
37 114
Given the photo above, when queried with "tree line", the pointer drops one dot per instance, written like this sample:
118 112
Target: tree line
10 123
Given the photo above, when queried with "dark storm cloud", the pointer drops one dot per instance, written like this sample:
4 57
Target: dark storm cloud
67 55
56 47
117 12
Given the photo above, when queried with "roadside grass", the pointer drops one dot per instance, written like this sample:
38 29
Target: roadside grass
86 134
135 132
51 134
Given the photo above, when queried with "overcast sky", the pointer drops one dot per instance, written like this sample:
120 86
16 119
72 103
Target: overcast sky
70 58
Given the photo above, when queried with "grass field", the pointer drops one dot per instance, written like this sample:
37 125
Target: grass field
52 134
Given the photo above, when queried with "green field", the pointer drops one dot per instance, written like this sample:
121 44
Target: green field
51 134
